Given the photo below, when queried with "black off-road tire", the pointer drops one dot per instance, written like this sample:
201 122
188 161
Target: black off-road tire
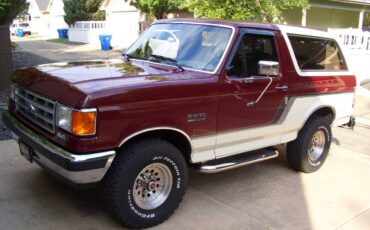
298 150
121 182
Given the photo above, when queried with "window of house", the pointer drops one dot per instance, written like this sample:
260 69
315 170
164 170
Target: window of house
252 49
315 54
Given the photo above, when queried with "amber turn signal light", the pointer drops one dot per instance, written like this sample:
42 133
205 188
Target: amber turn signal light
83 123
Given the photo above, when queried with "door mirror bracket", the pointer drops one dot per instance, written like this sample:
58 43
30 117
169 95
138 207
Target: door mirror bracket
251 80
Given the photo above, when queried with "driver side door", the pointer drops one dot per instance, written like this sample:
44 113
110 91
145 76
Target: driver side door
252 100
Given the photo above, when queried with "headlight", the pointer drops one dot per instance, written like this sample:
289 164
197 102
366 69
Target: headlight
64 117
78 122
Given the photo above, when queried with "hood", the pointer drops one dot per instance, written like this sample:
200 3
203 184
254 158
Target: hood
79 80
79 72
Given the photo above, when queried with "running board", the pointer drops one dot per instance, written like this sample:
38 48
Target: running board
236 163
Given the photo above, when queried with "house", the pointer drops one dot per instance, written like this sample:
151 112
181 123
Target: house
331 14
125 22
47 16
122 21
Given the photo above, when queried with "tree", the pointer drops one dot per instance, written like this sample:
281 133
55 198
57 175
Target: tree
243 10
24 15
82 10
9 9
156 8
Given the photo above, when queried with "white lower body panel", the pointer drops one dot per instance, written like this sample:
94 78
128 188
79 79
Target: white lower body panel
296 113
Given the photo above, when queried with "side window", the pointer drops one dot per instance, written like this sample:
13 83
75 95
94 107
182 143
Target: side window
317 54
252 49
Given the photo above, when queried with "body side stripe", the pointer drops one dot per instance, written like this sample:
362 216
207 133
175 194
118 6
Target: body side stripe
296 112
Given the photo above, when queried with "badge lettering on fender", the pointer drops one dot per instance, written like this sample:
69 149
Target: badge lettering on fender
193 117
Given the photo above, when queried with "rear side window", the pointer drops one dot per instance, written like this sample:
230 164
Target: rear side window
317 54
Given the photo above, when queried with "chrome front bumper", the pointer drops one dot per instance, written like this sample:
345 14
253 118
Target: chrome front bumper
77 169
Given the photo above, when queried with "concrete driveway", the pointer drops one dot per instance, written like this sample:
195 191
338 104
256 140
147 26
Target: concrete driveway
268 195
60 52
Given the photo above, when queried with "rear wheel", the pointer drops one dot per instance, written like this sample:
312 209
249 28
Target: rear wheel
145 183
309 151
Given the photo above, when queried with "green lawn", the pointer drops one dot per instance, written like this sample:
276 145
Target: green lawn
59 40
14 46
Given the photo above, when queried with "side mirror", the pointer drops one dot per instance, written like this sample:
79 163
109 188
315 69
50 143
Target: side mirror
268 68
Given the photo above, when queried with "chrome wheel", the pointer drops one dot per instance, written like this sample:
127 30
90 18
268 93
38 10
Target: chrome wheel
152 186
317 145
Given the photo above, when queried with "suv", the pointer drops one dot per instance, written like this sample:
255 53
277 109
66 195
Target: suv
209 95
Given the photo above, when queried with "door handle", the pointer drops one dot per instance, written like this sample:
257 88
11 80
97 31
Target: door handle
282 87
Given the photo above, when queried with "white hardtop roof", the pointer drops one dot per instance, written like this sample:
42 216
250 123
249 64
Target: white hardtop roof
304 31
286 30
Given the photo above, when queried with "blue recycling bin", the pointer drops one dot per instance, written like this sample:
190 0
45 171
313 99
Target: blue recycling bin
105 42
63 33
20 32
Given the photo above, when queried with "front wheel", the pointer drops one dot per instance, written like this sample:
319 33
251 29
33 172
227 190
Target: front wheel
309 151
146 183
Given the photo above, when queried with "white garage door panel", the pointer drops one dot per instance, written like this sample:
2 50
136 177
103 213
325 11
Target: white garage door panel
124 27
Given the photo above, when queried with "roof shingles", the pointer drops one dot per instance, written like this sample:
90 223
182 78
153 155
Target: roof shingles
43 4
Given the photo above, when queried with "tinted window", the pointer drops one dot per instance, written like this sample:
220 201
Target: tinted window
317 53
251 50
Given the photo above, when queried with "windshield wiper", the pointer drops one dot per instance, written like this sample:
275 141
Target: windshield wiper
126 56
167 60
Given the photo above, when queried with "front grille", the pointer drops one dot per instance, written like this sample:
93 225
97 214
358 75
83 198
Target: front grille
36 108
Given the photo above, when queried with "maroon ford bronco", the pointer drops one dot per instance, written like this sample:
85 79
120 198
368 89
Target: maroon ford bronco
209 95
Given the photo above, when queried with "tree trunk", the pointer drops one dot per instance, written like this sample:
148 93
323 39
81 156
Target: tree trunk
6 63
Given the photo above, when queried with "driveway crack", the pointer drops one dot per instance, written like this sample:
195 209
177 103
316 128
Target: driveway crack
352 218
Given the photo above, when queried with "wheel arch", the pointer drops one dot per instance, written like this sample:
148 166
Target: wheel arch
323 111
177 137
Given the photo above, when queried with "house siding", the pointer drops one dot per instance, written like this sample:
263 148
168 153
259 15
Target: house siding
122 22
47 17
322 18
367 20
319 18
292 17
329 14
343 18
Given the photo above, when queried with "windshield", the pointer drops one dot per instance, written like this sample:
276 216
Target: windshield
199 47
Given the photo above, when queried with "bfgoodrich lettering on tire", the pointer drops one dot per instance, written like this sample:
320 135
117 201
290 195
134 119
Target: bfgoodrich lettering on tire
145 183
309 151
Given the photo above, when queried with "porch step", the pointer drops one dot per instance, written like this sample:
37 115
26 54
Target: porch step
227 163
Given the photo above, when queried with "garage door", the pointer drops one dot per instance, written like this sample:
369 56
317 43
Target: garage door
124 26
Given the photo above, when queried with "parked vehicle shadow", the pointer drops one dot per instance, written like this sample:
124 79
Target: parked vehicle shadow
269 193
